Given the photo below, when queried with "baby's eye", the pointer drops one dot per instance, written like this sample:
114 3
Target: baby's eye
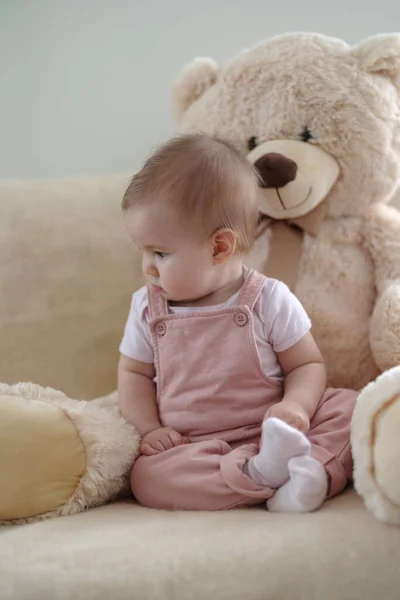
160 254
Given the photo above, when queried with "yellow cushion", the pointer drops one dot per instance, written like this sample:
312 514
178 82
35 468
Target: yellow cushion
41 471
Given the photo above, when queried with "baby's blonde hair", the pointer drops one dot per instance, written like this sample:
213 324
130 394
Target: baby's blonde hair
206 179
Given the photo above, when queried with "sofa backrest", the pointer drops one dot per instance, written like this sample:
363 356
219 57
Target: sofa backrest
67 271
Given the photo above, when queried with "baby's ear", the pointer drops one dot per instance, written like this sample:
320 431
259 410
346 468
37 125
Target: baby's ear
380 55
224 242
193 81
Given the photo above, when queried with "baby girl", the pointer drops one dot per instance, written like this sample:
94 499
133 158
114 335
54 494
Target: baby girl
219 371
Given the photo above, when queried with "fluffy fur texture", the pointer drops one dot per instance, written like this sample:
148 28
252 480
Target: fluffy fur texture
110 443
194 80
348 101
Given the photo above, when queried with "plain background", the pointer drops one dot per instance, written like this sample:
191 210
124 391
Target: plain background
85 84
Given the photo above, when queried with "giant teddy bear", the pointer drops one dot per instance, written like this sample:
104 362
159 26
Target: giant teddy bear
320 120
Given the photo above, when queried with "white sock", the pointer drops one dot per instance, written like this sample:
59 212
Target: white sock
306 489
279 443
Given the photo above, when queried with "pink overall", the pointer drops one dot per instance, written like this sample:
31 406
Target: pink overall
212 389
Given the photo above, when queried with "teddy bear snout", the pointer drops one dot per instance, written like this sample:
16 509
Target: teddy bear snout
276 170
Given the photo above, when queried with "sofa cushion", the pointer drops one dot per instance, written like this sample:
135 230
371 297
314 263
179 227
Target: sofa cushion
126 552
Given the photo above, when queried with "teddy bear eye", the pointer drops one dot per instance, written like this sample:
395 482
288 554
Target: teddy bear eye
306 135
252 142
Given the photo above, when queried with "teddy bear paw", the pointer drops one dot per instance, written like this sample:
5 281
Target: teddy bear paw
376 446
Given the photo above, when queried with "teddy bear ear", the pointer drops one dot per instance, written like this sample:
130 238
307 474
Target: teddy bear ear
380 54
193 81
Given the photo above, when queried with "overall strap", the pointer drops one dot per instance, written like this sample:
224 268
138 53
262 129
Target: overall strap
158 306
251 289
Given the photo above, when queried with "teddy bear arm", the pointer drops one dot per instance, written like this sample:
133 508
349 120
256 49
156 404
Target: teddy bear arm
382 239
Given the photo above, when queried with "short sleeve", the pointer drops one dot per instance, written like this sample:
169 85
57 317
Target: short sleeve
285 319
136 342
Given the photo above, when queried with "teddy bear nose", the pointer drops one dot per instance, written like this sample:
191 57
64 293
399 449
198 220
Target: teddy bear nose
276 170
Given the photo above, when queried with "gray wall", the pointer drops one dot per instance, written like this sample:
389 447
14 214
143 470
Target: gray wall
85 84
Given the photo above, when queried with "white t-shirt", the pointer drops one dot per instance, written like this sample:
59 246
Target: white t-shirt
280 321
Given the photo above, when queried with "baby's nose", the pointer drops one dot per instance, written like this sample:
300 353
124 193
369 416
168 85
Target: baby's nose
152 270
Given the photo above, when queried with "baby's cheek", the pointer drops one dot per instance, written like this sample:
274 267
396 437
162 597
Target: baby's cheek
167 270
175 279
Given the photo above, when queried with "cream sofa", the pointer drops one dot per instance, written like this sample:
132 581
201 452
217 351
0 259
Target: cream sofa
66 275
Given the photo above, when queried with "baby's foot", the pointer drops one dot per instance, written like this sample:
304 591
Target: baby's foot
279 443
306 489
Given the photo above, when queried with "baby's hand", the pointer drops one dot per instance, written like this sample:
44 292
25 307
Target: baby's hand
292 413
161 439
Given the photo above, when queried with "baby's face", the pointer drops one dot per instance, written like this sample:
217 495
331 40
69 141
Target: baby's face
174 260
